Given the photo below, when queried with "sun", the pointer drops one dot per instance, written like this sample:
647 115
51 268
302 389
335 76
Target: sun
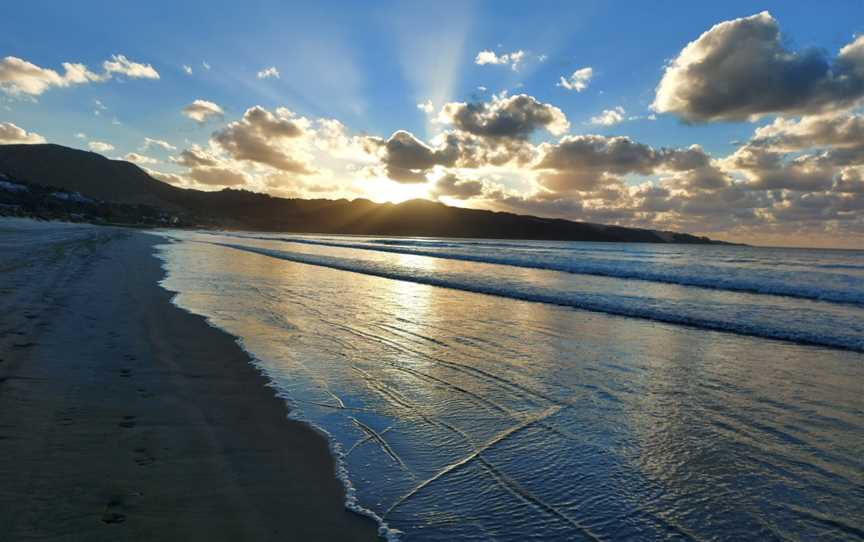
384 191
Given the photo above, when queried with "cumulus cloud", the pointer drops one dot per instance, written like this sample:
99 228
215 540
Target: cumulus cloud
219 176
767 170
202 110
159 143
407 159
514 117
20 77
609 117
264 137
578 80
274 151
17 76
850 181
841 130
119 64
206 169
491 133
450 185
588 162
136 158
100 146
170 178
270 72
740 69
11 134
708 177
774 183
505 59
194 157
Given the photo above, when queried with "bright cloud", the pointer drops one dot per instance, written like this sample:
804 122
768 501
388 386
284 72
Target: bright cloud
136 158
506 59
578 80
11 134
202 110
609 117
150 143
426 107
119 64
20 77
100 146
268 73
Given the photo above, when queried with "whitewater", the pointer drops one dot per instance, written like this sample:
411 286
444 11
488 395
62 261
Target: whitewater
518 390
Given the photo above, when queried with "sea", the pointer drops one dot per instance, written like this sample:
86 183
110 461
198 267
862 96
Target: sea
533 390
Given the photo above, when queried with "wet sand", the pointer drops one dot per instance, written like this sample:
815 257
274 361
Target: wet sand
123 417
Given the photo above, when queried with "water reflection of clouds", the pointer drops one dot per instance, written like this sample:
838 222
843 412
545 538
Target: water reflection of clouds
655 423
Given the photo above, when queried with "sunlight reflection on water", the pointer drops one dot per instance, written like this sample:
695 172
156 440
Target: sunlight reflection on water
472 416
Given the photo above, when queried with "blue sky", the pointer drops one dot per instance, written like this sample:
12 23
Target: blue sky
369 65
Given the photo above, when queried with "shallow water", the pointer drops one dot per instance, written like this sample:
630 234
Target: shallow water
470 396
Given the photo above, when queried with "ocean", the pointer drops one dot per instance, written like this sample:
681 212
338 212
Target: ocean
534 390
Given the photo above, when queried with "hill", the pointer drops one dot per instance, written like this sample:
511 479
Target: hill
124 183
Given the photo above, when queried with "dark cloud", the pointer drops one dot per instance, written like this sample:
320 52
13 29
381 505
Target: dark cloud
767 170
589 161
599 154
515 117
740 69
406 158
267 124
454 187
850 181
708 177
195 157
260 137
219 176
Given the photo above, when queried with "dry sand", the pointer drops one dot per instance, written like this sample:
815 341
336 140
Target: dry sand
123 417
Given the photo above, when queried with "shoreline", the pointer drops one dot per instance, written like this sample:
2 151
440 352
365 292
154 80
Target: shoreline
125 417
385 532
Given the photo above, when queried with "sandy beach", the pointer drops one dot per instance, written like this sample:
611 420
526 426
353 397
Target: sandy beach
123 417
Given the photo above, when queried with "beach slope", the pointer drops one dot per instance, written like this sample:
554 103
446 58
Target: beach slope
123 417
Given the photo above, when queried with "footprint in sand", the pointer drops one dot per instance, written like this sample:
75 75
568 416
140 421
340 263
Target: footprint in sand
144 394
143 457
111 515
128 421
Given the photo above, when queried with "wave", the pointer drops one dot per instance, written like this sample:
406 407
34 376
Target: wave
708 278
609 304
295 411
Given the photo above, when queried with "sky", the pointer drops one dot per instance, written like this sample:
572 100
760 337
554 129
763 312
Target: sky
737 120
